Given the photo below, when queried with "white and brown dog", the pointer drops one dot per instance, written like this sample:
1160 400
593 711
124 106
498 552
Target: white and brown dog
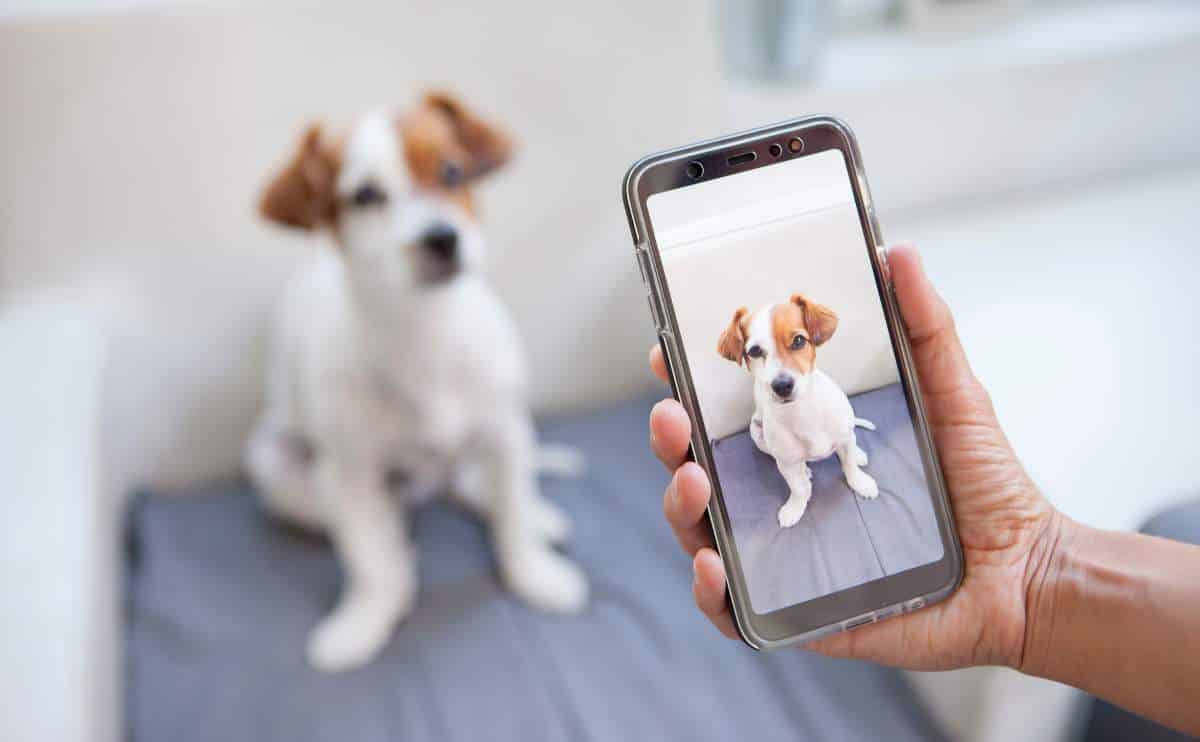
800 414
392 354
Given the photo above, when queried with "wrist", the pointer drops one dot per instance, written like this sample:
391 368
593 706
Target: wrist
1049 576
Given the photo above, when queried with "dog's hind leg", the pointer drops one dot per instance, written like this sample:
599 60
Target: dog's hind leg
852 459
546 519
529 564
560 460
280 466
369 533
860 455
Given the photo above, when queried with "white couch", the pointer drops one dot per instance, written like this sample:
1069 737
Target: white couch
135 275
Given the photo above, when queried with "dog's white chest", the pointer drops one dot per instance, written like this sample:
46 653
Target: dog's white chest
816 445
427 417
798 436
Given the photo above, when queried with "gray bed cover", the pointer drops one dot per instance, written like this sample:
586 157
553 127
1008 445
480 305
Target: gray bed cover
219 601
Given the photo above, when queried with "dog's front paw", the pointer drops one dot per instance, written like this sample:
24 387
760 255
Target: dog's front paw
359 627
345 641
546 579
792 511
863 484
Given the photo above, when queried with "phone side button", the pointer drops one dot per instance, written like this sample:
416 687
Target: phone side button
656 309
915 604
643 265
658 322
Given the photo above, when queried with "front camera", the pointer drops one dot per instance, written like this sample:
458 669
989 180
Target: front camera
695 170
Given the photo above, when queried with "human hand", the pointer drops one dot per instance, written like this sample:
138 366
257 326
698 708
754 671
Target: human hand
1007 529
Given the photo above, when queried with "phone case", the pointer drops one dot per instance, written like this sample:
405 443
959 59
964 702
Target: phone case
652 278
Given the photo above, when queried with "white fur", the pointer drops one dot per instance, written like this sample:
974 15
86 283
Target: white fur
815 422
372 371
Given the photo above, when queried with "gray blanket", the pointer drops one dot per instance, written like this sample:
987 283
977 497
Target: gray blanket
220 601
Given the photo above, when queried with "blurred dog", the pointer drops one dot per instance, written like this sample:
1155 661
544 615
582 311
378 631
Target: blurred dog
800 414
392 359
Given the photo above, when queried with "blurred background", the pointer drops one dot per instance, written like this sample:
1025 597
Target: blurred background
1043 154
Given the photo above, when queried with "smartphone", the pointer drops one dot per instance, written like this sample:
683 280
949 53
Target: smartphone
768 286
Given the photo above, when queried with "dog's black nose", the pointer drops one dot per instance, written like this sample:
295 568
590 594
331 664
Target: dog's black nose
441 240
783 386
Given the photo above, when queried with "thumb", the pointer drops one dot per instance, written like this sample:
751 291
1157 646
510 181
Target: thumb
939 356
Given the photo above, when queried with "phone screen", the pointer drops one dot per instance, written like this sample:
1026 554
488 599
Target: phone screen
798 384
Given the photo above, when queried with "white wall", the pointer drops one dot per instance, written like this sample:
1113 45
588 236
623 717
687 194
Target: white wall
134 146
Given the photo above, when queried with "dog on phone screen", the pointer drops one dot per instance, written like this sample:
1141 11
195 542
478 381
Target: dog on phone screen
393 365
800 414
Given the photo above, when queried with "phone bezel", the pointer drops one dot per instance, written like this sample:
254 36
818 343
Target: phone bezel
891 594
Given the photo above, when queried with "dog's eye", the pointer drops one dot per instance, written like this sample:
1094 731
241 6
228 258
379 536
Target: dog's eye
799 342
451 174
368 194
755 351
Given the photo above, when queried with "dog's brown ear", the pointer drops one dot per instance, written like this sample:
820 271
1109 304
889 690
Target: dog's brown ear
302 193
820 321
732 343
488 145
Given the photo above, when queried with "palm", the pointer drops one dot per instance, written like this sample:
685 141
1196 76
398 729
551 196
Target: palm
999 516
999 513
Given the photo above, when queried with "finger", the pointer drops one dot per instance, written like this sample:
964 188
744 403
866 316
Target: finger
684 504
708 588
839 645
658 364
925 313
887 643
670 433
937 351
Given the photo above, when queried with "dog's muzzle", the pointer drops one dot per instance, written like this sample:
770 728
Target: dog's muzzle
440 253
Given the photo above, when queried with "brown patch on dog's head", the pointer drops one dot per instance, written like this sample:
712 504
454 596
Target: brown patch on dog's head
798 328
732 343
448 147
302 194
820 321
